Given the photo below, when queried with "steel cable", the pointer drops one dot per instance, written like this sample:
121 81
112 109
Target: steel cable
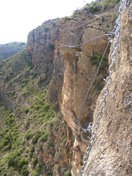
79 45
88 91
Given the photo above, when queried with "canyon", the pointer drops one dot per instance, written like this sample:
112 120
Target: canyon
45 100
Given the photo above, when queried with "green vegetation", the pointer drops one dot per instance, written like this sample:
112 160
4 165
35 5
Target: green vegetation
67 173
43 137
36 171
95 59
17 64
9 137
16 157
22 131
46 28
93 7
29 135
36 137
18 163
97 6
11 145
51 47
26 110
75 14
66 18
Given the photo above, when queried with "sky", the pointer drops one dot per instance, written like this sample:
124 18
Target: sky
19 17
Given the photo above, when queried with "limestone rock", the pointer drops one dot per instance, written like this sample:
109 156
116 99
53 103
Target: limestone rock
111 152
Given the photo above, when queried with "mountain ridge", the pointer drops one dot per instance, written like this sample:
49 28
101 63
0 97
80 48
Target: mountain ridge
9 49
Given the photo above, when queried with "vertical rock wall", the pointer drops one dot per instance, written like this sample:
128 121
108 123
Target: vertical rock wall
111 152
78 74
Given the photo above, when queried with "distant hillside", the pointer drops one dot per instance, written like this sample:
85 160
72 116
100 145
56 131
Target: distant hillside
7 50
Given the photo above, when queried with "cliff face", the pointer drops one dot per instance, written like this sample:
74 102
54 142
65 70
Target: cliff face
78 43
43 44
80 65
78 74
54 60
111 152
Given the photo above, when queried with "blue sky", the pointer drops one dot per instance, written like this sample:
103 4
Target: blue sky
19 17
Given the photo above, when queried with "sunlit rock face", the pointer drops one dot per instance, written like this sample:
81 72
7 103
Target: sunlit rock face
78 74
111 152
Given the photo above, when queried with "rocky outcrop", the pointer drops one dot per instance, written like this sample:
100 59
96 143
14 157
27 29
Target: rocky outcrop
111 152
43 45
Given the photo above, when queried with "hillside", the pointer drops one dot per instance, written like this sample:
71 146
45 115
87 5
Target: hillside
7 50
46 100
28 121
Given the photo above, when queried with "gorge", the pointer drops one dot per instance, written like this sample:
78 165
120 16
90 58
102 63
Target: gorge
42 93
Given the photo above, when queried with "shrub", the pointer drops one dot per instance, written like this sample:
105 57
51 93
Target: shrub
29 89
67 173
36 137
31 151
49 145
36 171
29 135
95 59
51 47
43 138
6 142
35 161
25 172
11 115
17 163
22 162
24 82
97 6
26 110
46 107
93 7
10 121
66 18
46 28
13 160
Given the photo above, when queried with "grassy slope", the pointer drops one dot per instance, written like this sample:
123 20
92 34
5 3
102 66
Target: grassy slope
27 122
